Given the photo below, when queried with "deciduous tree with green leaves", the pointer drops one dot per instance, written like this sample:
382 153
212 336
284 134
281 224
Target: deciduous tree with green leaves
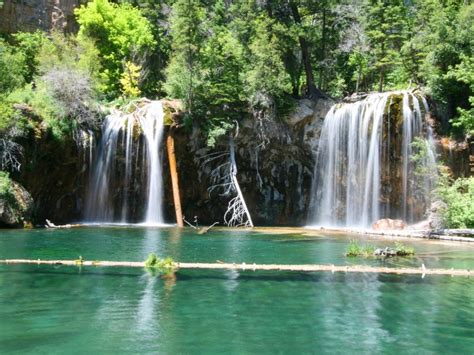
121 33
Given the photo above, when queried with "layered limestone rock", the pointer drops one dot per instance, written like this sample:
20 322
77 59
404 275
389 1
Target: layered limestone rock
30 15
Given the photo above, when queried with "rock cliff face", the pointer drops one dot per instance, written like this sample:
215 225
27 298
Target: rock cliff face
30 15
457 155
275 163
55 174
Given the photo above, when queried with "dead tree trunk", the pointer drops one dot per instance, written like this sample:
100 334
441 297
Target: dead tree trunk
174 179
233 172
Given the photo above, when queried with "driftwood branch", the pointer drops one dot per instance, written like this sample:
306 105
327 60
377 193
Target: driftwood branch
204 230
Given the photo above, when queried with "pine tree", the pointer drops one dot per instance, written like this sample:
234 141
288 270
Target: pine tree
184 73
386 30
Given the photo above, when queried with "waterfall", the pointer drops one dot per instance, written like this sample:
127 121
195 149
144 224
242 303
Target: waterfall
126 180
365 163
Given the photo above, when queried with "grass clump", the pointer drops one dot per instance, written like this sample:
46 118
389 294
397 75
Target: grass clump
355 249
155 263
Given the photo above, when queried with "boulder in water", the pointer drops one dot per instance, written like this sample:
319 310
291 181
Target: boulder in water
388 224
385 252
15 206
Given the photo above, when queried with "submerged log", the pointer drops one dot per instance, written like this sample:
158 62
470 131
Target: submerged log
204 230
254 267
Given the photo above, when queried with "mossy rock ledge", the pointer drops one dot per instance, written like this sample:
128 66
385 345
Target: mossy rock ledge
16 207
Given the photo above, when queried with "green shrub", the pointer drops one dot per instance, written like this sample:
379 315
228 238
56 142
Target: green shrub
64 94
6 188
29 45
458 198
12 68
43 105
7 116
5 183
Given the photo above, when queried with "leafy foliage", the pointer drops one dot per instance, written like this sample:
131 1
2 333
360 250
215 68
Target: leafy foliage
6 189
29 45
130 79
458 196
63 91
5 183
232 59
121 33
12 68
464 72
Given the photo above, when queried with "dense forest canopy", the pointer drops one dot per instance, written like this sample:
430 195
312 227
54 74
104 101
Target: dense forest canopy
229 58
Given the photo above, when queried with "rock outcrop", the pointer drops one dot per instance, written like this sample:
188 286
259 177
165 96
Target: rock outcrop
30 15
15 207
389 224
275 161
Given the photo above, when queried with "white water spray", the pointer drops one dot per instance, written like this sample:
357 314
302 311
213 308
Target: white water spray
117 179
364 167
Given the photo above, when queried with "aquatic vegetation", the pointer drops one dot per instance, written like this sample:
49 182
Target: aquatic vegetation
355 249
155 263
403 250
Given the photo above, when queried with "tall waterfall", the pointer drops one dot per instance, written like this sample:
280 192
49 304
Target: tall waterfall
365 165
126 180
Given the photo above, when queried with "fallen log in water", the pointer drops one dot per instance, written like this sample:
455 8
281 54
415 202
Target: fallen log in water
254 267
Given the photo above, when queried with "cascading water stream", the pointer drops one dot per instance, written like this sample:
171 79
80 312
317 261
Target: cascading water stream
365 168
126 179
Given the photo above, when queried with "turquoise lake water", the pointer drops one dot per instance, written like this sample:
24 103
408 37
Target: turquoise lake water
60 310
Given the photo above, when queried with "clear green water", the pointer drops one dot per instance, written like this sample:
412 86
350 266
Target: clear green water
47 310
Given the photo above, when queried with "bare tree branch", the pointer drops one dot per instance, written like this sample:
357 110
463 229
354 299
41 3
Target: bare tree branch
224 179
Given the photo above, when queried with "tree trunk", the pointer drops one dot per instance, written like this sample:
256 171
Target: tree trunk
236 182
323 51
312 90
382 69
174 179
359 74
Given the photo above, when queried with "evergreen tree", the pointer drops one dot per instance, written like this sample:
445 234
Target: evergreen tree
184 73
386 30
